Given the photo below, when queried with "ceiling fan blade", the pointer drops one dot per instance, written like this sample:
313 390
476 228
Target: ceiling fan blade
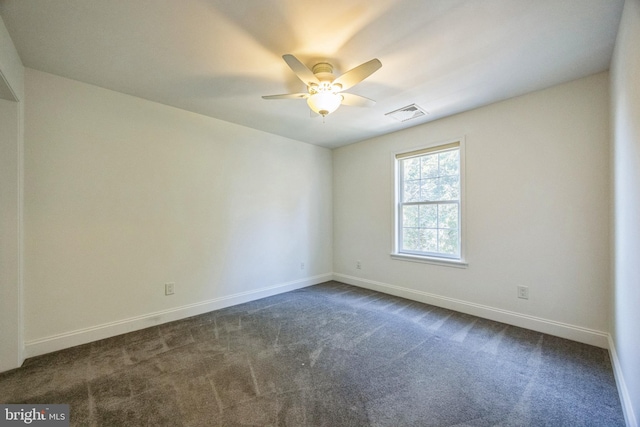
287 96
356 100
302 71
358 74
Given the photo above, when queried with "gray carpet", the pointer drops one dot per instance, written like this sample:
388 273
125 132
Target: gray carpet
327 355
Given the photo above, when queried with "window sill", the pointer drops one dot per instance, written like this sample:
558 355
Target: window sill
430 260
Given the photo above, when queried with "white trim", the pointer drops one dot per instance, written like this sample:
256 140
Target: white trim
86 335
21 346
623 391
428 260
551 327
461 141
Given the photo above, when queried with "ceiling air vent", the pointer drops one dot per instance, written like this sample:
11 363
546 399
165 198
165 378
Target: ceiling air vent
407 113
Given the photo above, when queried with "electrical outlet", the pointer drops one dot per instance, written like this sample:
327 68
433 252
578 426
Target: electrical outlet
169 288
302 266
523 292
359 265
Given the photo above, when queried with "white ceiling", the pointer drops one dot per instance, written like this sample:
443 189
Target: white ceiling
217 57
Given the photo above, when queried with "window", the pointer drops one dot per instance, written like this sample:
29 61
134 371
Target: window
429 203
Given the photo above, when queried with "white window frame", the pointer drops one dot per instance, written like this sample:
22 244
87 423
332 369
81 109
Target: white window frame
443 259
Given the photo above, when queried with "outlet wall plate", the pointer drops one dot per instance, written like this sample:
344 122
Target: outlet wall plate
169 288
523 292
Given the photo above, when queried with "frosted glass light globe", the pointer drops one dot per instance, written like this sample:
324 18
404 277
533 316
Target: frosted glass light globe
324 103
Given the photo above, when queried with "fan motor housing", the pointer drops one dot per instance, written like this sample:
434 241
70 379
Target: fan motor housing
322 67
324 72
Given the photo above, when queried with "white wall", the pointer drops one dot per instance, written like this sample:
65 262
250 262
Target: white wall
123 195
625 92
11 150
537 207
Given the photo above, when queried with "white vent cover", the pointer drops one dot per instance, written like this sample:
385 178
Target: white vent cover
407 113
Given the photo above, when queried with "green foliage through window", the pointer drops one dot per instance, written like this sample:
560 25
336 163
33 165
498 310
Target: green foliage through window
429 205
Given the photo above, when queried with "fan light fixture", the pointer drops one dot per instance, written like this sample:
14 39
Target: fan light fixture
325 91
324 102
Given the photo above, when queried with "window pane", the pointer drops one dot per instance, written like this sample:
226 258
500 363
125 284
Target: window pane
442 188
411 168
448 216
448 242
428 216
411 191
449 187
429 240
430 189
411 239
430 183
411 216
449 163
429 166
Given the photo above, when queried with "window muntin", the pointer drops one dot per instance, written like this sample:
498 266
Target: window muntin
429 202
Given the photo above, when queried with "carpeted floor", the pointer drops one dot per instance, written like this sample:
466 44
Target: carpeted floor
327 355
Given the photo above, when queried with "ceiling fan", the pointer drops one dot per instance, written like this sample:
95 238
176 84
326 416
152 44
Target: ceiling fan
325 91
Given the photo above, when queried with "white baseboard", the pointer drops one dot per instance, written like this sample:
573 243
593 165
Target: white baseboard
86 335
551 327
111 329
572 332
623 391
